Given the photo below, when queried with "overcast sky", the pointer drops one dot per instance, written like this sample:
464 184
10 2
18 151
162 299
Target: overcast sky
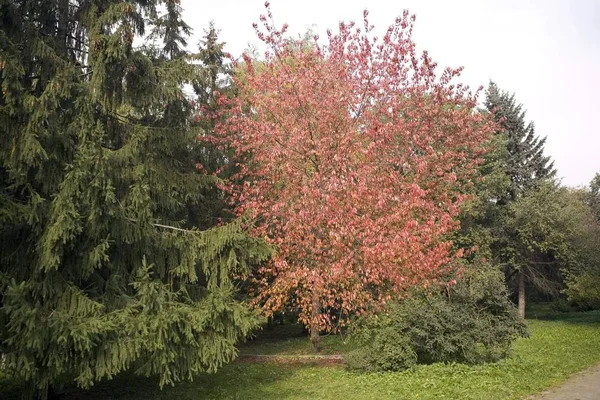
546 51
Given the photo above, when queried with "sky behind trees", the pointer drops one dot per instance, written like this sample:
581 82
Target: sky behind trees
548 52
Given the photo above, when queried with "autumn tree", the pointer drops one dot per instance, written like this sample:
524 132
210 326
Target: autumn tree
357 156
101 267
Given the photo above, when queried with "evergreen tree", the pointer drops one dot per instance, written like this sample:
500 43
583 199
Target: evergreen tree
526 164
216 74
171 29
214 80
480 214
527 170
101 266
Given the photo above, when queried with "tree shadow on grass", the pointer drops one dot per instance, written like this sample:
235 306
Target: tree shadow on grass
233 381
545 313
292 339
237 380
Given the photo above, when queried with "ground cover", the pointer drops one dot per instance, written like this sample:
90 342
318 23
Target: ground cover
560 344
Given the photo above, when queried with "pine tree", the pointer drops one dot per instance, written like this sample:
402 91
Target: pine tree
528 170
171 29
216 77
526 164
101 266
480 215
214 80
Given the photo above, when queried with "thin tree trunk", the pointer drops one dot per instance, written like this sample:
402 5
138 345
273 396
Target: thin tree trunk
521 304
314 325
63 21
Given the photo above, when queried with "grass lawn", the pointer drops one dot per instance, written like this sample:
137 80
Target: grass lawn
560 344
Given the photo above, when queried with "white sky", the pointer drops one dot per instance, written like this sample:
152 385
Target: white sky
546 51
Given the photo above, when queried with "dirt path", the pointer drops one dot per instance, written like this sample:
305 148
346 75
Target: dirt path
584 385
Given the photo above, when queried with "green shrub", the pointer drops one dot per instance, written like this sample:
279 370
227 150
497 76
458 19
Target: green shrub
390 350
583 288
471 322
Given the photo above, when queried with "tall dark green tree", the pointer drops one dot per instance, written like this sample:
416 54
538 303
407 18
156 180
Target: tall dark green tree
171 29
480 213
528 169
526 165
215 75
101 266
214 80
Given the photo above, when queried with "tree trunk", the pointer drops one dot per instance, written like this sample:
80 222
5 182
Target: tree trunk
63 23
314 324
521 304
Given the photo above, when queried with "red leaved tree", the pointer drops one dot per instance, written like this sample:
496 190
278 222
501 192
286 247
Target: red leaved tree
357 156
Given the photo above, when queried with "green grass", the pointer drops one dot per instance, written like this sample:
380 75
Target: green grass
560 344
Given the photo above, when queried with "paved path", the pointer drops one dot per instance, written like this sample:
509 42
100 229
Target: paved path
581 386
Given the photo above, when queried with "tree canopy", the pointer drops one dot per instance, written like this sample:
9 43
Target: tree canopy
526 164
101 267
356 156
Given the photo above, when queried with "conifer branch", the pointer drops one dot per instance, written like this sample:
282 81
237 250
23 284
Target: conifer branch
174 228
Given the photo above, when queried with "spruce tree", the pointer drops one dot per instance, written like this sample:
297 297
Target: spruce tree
480 214
526 164
102 267
171 29
213 81
528 171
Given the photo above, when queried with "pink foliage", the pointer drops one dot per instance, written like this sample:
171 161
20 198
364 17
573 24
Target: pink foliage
357 160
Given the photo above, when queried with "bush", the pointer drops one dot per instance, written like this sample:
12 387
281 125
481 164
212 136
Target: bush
471 322
583 288
390 350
